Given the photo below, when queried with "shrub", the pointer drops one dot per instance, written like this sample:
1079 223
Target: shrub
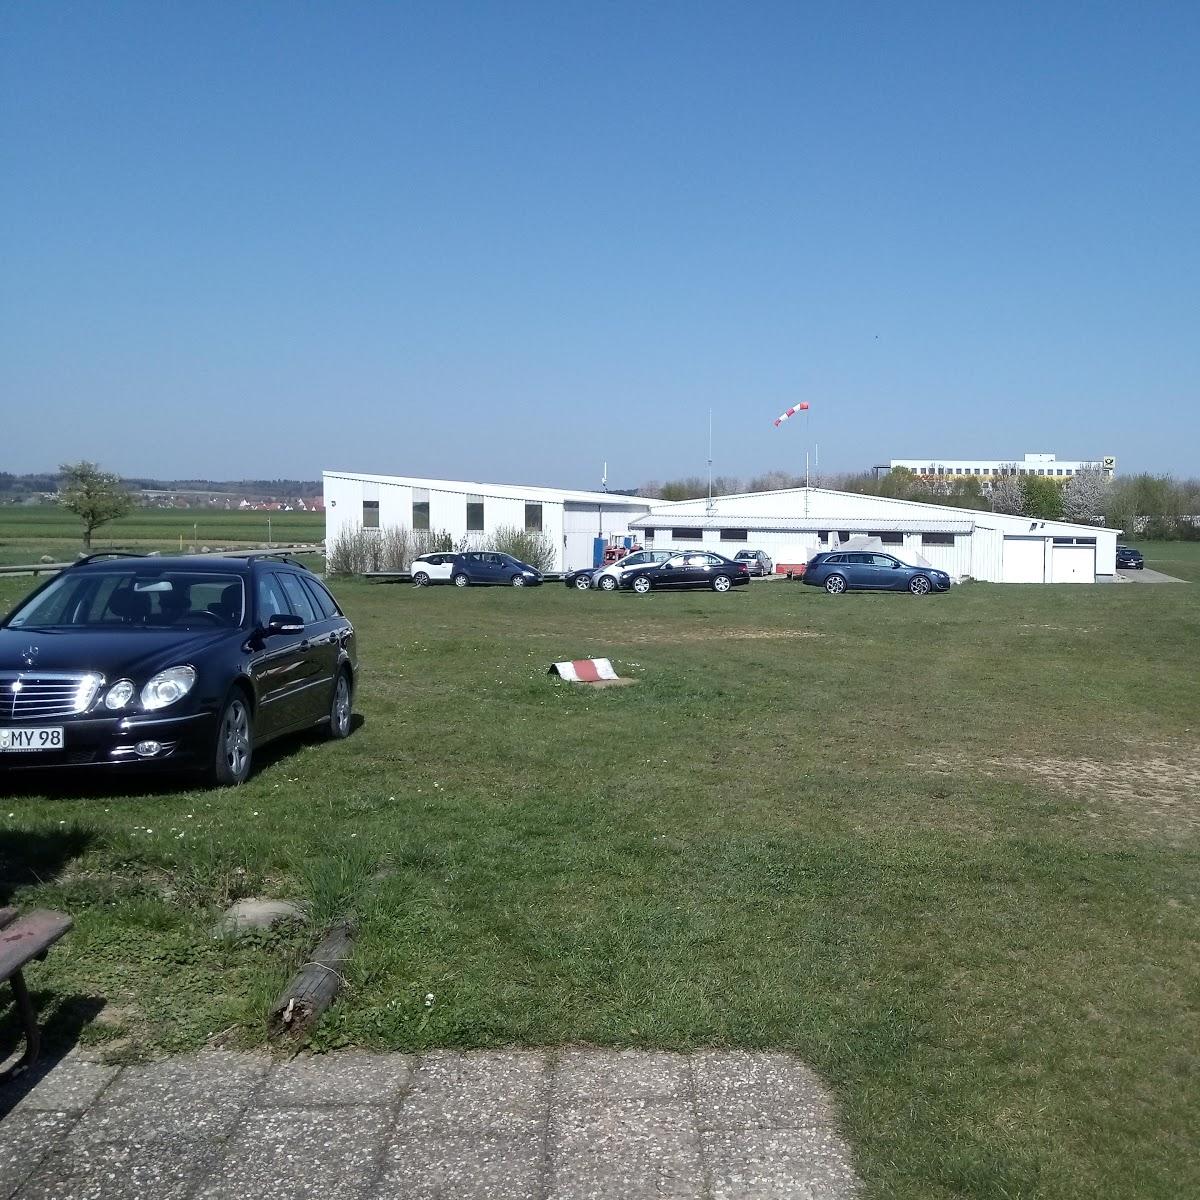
529 545
391 548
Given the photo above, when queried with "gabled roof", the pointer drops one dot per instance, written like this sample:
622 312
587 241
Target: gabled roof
504 491
663 519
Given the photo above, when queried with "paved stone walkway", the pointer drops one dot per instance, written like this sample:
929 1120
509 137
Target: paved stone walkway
503 1125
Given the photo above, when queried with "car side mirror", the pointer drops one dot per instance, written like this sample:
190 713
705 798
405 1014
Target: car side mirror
283 623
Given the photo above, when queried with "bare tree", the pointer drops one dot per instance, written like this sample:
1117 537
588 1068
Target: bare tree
1005 493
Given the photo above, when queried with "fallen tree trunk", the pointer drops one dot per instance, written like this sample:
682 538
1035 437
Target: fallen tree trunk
313 988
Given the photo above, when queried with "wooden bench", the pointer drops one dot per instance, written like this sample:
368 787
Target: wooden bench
23 939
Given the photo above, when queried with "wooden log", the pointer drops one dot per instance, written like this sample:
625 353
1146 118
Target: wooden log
313 988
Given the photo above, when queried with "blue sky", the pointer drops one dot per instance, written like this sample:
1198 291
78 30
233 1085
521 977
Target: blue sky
511 241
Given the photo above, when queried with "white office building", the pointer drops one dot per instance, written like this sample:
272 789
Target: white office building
986 469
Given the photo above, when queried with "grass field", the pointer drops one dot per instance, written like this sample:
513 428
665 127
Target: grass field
26 533
944 849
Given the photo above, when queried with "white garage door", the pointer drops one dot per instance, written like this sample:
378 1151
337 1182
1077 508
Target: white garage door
1073 564
1024 560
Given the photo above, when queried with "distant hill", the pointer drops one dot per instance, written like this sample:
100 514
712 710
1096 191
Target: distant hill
15 487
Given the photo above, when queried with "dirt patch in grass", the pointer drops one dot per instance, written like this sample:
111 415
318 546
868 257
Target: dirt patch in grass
1154 786
677 635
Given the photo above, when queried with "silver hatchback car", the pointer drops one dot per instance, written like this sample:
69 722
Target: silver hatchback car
758 562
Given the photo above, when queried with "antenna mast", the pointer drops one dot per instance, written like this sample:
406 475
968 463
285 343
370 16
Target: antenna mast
710 460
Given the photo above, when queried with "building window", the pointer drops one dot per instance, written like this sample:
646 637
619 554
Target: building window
687 535
937 539
370 514
649 535
889 539
420 508
1059 471
533 517
474 514
1069 471
735 535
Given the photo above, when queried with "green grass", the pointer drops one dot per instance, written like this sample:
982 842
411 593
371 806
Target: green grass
26 533
945 850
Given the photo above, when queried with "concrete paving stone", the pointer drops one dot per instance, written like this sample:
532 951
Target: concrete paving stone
293 1153
67 1086
197 1097
738 1089
596 1075
26 1138
492 1089
347 1078
125 1170
624 1149
778 1164
431 1164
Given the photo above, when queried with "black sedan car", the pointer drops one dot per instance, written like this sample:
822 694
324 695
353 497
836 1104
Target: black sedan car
186 663
867 570
690 569
580 579
1129 559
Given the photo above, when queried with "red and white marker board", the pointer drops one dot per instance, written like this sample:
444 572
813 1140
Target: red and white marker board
584 670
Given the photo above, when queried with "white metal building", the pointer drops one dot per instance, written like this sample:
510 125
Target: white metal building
472 511
793 525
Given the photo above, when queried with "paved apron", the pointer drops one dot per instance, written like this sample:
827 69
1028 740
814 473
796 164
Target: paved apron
500 1125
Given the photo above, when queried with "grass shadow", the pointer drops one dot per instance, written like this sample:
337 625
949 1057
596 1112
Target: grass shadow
37 856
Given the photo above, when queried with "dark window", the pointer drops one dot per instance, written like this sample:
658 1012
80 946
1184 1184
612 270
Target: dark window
687 535
861 560
474 514
420 508
533 517
271 600
323 600
298 602
370 514
937 539
1074 541
836 558
735 535
889 539
649 535
822 535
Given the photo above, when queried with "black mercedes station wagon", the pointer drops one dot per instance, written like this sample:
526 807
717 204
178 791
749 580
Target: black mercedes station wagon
185 663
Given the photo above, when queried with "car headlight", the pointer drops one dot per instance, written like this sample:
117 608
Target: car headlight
167 687
120 694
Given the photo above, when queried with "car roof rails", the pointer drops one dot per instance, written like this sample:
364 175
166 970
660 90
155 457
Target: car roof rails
87 558
278 556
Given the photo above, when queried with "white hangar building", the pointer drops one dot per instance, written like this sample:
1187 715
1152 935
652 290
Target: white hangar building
793 525
472 511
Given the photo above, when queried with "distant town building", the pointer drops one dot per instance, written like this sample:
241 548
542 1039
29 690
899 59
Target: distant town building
987 469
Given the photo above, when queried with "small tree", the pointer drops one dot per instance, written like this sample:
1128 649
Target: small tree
1085 496
1006 494
94 496
1043 497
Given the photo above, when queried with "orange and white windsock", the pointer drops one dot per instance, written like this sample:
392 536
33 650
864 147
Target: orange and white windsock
791 412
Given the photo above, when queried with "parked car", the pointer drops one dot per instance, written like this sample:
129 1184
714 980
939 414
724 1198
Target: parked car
483 567
1129 559
758 562
432 568
840 571
608 579
689 568
580 579
121 662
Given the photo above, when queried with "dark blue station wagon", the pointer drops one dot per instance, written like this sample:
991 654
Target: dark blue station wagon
868 570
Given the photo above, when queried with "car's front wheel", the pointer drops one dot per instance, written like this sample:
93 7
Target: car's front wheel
835 585
421 578
721 583
462 580
641 585
583 582
235 742
518 581
608 583
341 707
919 585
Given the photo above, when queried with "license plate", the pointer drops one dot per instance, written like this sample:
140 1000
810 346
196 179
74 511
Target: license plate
42 737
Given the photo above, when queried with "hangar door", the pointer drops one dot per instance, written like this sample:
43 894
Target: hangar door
1072 562
1024 560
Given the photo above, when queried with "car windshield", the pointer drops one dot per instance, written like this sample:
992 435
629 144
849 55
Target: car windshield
134 598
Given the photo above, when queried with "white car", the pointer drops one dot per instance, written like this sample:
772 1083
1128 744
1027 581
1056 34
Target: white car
432 568
608 578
